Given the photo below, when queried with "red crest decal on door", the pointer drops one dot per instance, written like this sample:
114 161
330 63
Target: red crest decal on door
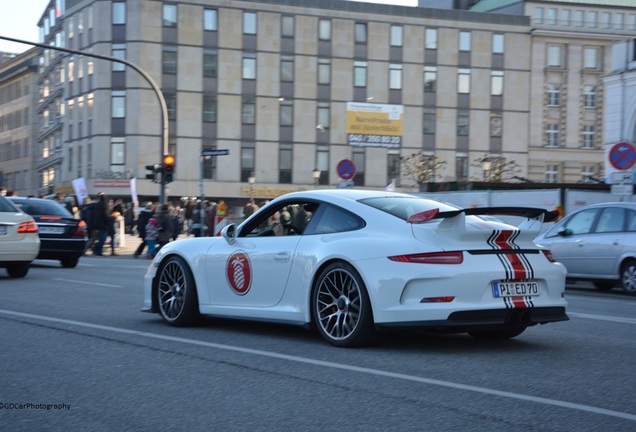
239 272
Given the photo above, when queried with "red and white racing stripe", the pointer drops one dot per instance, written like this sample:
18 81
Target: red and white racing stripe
516 265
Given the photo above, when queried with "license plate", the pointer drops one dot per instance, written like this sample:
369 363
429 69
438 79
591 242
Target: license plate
3 230
515 289
50 230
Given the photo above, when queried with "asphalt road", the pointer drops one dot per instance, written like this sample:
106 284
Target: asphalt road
79 355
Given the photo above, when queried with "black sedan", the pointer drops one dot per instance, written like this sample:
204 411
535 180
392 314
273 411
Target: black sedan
62 237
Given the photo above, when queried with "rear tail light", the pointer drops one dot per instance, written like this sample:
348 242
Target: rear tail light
27 227
548 255
446 299
431 258
50 218
80 230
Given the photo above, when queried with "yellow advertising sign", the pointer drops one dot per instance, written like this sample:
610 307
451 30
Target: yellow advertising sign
374 125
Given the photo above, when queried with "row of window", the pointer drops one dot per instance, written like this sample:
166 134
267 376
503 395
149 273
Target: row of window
553 95
581 18
588 136
557 57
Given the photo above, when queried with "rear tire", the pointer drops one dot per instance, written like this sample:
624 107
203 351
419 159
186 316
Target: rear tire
69 262
498 334
18 270
628 277
341 308
177 293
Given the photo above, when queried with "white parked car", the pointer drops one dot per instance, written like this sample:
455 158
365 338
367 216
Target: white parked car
349 262
19 239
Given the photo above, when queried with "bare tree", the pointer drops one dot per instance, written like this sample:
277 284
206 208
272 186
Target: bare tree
497 168
421 168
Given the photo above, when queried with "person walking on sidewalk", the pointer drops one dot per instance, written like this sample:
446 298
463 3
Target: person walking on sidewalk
164 222
142 220
152 235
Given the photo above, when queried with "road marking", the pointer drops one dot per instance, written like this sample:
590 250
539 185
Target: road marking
83 282
304 360
603 318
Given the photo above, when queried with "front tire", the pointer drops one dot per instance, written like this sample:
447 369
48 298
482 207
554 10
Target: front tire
18 270
69 262
628 277
341 308
176 293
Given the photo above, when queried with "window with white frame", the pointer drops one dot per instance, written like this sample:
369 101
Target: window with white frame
429 121
118 51
578 18
538 15
287 26
210 20
285 162
249 23
619 21
589 137
397 37
464 41
587 173
551 174
590 57
118 104
631 22
430 79
463 122
118 154
554 95
324 30
554 56
210 62
324 71
360 74
430 38
605 20
395 76
287 68
169 59
249 66
496 83
552 135
461 166
463 81
496 124
551 16
360 35
169 17
209 108
324 115
497 43
589 96
565 17
286 113
119 14
591 19
249 111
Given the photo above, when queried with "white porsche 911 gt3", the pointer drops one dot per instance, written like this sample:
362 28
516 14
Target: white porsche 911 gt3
349 262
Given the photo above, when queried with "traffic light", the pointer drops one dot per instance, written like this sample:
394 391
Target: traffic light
154 169
168 168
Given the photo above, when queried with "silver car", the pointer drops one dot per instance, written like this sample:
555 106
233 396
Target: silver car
597 243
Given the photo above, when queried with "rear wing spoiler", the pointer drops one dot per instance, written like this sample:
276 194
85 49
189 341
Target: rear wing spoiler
527 212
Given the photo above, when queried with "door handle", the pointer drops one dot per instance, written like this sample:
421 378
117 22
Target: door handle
282 256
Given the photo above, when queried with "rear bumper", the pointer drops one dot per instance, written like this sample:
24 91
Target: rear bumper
57 248
490 317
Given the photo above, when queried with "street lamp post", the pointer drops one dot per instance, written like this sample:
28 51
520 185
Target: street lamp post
251 180
316 175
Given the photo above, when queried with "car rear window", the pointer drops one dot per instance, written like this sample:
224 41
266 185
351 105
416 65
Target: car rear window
404 207
42 207
7 206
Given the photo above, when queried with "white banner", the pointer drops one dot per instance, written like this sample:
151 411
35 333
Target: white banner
81 192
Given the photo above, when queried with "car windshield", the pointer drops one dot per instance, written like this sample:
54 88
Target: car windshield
7 206
404 207
42 207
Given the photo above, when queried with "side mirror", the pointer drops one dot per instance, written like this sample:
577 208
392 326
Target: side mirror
229 233
564 232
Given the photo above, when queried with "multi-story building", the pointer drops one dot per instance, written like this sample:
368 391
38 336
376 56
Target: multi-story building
278 84
571 53
272 82
18 84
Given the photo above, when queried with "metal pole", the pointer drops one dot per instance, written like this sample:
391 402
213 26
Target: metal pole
153 84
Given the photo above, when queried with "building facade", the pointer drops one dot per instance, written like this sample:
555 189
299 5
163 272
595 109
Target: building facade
18 90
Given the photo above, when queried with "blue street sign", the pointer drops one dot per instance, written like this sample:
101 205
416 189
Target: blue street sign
215 152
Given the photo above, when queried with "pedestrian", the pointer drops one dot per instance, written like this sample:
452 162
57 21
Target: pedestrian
164 224
112 231
152 235
100 222
210 217
86 214
142 220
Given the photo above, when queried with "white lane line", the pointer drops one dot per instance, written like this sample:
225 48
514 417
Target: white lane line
84 282
369 371
603 318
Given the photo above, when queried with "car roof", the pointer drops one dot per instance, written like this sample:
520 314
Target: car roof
342 194
625 204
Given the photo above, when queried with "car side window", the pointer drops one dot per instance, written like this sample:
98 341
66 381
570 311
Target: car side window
581 223
631 221
292 217
612 219
334 220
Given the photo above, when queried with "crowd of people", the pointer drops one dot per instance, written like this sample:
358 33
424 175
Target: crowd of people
156 224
